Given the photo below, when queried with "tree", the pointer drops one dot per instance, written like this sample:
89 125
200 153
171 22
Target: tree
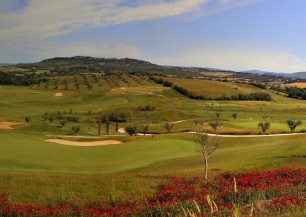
45 116
131 130
199 121
27 119
76 129
115 117
99 122
51 118
144 129
105 118
215 125
207 147
293 124
264 125
168 126
218 114
62 123
235 115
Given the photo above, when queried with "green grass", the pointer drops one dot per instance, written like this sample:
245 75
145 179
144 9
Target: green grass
235 154
26 153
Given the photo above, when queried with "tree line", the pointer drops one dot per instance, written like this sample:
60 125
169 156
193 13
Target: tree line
20 80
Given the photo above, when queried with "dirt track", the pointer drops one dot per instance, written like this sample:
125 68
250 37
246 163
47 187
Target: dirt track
84 144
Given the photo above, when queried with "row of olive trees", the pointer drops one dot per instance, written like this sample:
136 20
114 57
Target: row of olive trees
265 125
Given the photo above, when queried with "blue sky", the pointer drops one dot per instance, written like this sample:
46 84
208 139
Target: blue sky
230 34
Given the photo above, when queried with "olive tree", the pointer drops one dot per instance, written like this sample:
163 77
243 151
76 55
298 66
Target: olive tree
264 126
293 124
144 129
215 125
62 123
199 121
27 119
235 115
76 129
168 126
131 130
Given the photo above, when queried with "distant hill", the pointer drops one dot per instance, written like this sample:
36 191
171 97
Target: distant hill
5 64
301 75
260 72
107 65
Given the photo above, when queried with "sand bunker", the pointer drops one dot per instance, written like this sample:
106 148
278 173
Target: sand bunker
8 125
58 94
121 130
94 143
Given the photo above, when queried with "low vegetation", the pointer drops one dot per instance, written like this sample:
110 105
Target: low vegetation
281 192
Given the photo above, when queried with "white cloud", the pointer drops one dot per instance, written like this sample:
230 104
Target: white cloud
238 59
35 28
47 18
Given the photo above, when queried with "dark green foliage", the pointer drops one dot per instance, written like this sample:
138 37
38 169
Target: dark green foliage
293 124
20 80
296 93
215 125
235 115
62 123
264 126
27 119
131 130
76 129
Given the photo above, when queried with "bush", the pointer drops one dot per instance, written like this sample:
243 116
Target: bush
131 130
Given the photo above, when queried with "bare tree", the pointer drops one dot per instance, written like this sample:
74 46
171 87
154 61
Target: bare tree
215 125
293 124
168 126
264 126
208 145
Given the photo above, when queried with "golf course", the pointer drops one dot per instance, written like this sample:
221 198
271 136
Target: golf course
43 161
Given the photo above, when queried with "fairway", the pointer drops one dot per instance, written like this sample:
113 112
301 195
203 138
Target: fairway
20 153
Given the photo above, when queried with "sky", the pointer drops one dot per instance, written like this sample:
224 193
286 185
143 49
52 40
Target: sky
267 35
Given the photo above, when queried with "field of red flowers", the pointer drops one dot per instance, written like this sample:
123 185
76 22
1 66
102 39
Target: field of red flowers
267 193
